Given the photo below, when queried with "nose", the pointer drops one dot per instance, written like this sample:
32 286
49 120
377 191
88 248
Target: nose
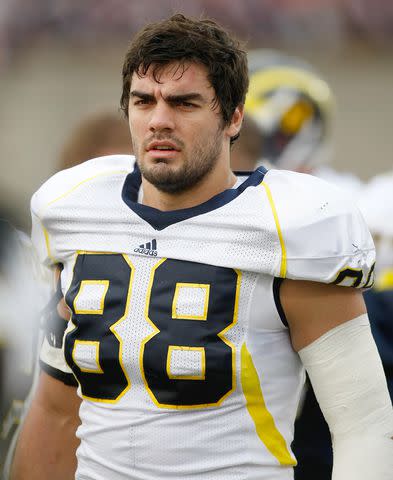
162 117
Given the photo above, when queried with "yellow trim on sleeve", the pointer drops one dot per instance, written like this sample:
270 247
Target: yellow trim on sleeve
45 231
102 174
265 426
47 241
283 266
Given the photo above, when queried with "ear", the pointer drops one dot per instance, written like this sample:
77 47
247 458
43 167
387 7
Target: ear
236 122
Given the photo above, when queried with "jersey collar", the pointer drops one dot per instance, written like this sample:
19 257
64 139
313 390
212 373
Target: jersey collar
161 219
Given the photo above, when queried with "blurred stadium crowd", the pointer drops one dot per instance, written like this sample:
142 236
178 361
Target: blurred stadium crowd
23 21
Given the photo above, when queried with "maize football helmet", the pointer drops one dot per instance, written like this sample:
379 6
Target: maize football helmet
293 107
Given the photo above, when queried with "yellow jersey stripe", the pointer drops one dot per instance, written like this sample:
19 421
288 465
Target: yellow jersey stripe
262 418
283 267
47 243
103 174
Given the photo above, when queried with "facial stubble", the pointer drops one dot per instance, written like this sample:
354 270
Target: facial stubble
190 173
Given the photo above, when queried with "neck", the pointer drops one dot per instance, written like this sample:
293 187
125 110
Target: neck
215 182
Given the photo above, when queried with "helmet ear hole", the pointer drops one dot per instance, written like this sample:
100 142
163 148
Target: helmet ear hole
292 106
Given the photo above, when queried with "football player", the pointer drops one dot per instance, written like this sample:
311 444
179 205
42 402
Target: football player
198 298
294 108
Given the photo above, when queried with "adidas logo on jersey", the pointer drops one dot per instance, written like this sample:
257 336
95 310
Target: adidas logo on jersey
149 248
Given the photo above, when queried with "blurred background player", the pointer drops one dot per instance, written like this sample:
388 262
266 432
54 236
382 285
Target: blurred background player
98 134
246 152
293 107
376 204
20 299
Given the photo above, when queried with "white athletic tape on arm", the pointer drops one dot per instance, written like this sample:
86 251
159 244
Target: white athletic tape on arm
349 382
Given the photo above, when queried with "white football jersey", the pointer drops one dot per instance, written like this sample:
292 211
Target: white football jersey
177 338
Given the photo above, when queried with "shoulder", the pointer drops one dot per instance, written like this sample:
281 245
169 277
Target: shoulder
58 205
324 237
305 199
65 182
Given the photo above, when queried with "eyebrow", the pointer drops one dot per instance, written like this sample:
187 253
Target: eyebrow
170 98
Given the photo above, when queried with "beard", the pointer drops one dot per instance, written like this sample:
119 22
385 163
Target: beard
192 171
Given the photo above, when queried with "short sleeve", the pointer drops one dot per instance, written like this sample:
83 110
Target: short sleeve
323 236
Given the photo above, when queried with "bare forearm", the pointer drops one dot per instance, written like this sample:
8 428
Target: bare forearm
46 449
47 443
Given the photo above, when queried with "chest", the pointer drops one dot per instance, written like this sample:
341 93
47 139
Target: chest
173 326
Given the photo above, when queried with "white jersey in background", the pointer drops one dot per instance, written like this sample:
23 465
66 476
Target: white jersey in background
346 181
177 339
23 294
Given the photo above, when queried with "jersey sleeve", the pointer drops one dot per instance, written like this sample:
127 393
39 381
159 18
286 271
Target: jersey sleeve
323 235
45 224
60 187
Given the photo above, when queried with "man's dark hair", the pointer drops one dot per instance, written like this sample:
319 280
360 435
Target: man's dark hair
182 39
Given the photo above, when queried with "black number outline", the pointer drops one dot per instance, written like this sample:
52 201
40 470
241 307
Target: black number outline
220 335
70 352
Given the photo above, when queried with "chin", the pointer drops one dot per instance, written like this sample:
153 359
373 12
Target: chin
162 166
159 173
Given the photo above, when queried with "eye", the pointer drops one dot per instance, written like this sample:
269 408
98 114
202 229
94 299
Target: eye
142 101
185 104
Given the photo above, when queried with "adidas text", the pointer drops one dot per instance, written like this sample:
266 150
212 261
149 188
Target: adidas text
145 251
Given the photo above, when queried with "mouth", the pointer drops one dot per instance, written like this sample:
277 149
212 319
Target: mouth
162 147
